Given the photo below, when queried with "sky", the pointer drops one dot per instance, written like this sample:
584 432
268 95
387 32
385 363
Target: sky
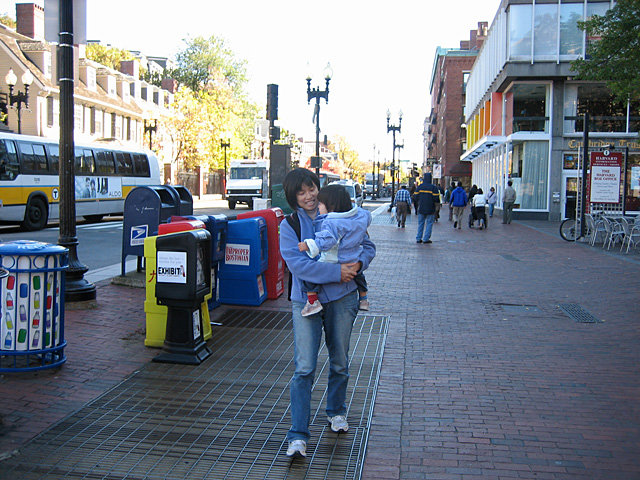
381 53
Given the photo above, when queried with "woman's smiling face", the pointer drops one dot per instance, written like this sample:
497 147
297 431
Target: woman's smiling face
307 198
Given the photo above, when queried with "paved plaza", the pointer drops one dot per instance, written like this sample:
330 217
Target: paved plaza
503 353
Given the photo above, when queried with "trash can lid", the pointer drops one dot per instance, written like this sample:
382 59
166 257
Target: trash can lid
30 247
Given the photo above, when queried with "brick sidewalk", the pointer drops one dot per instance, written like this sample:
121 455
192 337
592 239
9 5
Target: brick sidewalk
483 375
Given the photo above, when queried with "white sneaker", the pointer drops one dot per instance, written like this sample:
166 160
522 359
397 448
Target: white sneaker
297 448
364 305
311 308
338 423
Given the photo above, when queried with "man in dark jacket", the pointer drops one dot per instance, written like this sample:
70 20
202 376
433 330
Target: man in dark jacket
428 197
458 201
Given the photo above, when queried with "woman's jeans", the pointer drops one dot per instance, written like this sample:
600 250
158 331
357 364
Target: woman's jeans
337 319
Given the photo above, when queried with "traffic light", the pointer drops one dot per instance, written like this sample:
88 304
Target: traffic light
272 102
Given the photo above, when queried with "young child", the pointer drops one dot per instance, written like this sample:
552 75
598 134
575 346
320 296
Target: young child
344 227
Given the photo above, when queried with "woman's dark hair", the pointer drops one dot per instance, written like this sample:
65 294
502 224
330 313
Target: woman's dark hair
335 198
480 190
293 182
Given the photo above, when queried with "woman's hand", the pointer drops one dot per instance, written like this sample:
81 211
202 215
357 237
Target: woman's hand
348 271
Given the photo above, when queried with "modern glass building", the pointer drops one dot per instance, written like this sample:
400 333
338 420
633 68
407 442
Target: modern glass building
525 111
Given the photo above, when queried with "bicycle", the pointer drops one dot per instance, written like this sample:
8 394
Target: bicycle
570 229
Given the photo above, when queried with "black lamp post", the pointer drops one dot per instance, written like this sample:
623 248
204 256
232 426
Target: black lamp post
318 94
377 182
20 97
394 129
224 145
150 128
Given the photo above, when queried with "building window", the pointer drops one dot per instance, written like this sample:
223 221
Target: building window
606 114
570 35
545 33
530 108
50 114
98 123
519 31
92 120
529 172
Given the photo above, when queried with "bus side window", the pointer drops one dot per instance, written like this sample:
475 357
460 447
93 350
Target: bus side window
9 166
104 163
28 159
123 163
141 165
40 158
54 158
88 161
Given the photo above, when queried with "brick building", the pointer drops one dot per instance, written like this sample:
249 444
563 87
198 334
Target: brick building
445 134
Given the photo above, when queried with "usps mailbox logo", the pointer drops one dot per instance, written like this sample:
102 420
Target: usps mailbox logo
172 267
138 234
237 254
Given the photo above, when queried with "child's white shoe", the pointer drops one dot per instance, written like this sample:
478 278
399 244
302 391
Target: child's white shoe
311 308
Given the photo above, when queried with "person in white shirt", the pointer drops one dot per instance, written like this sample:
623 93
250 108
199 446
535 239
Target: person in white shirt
480 202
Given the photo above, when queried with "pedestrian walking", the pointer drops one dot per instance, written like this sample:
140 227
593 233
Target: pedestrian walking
472 215
480 202
458 202
428 198
340 307
508 199
402 202
414 197
492 197
447 197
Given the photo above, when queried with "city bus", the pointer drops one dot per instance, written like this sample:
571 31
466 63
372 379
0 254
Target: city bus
104 176
327 177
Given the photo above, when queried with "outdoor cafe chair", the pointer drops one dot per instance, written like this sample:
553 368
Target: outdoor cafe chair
631 234
594 228
615 232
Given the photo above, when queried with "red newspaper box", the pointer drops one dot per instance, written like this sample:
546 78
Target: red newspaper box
179 224
274 276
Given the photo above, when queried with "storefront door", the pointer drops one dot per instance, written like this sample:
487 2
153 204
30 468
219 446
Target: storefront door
569 195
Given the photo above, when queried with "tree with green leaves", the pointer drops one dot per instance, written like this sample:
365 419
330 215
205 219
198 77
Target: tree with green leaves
7 21
210 103
614 56
108 56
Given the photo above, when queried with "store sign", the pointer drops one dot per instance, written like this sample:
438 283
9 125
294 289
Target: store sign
606 168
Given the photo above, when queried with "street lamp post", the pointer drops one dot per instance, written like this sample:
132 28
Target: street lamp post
394 129
150 128
224 145
318 94
19 97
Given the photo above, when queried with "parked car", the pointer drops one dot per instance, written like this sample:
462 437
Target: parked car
355 191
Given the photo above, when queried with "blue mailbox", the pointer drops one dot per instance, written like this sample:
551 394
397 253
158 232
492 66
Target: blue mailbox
241 275
145 208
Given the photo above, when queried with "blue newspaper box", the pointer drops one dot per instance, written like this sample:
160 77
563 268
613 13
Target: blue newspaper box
241 277
145 208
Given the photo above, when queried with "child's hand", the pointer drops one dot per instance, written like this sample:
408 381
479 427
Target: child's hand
303 247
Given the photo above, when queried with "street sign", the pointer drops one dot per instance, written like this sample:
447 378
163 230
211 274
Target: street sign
605 175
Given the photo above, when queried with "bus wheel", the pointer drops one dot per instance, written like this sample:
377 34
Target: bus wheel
232 204
250 204
36 215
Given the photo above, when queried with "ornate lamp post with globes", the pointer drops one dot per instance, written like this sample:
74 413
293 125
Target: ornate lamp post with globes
318 94
19 97
394 129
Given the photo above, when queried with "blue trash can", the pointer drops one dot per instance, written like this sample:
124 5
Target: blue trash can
32 305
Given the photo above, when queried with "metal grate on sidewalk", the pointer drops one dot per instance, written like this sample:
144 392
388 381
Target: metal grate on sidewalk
226 418
577 313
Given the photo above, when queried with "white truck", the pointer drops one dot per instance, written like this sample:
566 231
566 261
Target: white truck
372 185
247 180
